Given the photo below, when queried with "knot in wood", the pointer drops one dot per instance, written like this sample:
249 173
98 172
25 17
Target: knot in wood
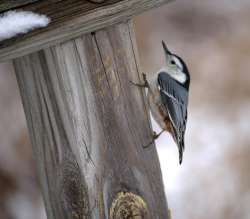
127 205
73 190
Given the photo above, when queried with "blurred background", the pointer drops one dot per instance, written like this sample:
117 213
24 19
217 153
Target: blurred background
213 37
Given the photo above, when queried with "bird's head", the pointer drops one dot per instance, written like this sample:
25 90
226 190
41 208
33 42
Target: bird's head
176 67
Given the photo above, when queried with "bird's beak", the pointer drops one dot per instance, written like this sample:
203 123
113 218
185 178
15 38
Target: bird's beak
167 52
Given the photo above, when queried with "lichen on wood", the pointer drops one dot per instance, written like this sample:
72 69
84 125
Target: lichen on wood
128 205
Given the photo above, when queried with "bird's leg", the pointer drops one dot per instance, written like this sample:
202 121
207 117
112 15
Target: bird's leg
145 84
155 136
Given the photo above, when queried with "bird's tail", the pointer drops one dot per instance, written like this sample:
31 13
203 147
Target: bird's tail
181 149
179 140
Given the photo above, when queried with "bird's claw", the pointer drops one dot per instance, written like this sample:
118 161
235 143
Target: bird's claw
133 83
155 136
146 146
145 84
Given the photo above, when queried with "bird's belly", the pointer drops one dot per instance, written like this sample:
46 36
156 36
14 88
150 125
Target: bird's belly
158 112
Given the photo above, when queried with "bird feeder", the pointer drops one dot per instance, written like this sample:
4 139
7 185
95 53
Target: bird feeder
86 122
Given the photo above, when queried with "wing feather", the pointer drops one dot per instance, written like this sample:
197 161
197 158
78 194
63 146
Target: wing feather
175 100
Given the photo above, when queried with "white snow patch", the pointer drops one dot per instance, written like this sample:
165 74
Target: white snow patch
13 23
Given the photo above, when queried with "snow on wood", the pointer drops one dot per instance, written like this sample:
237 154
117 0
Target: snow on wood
13 23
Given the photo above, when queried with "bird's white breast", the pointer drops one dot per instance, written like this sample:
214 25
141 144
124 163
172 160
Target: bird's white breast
154 101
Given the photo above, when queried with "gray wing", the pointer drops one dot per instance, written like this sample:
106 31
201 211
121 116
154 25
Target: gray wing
175 99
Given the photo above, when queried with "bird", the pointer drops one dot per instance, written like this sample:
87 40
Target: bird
167 97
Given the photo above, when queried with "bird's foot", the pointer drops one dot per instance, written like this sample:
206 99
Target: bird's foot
155 136
143 85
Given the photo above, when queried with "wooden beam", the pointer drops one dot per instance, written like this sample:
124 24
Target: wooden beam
69 19
88 124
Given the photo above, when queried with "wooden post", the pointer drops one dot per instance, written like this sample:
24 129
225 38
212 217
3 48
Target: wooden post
86 121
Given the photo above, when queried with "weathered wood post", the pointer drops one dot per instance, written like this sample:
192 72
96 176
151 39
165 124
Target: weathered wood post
86 122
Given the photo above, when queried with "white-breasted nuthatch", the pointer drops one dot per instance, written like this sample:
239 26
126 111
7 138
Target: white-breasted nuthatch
168 97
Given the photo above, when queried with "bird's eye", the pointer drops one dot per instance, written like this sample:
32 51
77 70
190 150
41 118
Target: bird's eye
172 62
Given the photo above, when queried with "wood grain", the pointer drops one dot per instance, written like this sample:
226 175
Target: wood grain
88 124
14 4
69 19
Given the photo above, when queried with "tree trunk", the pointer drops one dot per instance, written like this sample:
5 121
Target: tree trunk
88 125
